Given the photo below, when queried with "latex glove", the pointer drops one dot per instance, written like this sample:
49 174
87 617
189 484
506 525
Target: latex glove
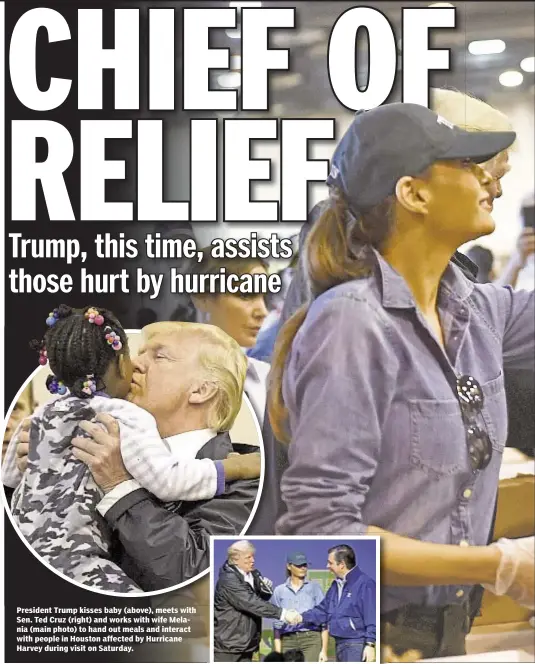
267 585
368 654
323 656
516 571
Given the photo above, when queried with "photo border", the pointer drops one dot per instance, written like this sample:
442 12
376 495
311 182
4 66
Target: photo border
299 538
151 593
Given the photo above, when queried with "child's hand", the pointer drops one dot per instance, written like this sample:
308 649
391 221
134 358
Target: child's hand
242 466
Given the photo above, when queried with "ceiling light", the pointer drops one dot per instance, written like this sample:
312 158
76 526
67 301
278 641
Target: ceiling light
441 4
304 37
486 47
528 64
235 62
510 79
230 79
286 81
233 34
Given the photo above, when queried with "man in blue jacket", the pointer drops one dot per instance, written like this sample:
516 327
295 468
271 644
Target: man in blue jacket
348 608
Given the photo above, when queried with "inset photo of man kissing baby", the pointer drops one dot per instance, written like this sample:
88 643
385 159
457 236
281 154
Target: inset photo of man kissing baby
136 448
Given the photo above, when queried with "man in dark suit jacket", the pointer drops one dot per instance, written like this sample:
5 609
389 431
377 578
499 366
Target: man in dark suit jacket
240 602
158 546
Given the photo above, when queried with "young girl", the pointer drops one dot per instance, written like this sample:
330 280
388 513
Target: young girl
54 502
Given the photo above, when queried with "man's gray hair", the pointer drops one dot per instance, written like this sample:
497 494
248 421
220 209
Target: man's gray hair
237 548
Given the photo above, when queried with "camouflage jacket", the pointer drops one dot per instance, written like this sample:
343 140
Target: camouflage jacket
53 506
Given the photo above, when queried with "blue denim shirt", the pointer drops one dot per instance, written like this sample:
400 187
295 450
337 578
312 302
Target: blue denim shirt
304 598
377 433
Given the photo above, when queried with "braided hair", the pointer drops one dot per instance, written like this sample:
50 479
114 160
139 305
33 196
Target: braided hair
78 349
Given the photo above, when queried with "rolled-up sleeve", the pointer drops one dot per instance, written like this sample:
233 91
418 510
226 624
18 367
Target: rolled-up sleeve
519 329
340 381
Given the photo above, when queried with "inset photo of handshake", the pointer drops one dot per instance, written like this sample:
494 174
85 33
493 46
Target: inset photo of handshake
289 599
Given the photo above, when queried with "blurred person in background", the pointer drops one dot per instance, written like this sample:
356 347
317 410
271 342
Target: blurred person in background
389 383
520 384
265 343
300 594
524 267
240 316
484 259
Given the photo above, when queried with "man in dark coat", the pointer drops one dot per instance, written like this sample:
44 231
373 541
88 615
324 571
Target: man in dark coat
160 547
240 602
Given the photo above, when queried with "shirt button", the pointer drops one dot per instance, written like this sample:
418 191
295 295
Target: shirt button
464 543
460 593
467 493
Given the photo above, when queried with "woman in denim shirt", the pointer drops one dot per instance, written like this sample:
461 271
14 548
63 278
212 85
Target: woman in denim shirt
390 384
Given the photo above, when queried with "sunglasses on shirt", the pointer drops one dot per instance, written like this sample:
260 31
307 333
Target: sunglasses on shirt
470 396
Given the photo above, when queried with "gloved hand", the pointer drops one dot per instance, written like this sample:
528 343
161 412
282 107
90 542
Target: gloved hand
516 571
267 585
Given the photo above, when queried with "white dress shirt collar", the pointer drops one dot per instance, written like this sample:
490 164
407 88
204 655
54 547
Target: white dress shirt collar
248 577
256 385
187 445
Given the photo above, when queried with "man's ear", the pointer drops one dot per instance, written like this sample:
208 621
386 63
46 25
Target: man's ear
413 194
121 364
202 392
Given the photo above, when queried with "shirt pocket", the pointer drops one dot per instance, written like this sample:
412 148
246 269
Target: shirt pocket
438 437
495 411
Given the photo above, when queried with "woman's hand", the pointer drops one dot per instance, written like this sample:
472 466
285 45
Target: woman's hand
102 452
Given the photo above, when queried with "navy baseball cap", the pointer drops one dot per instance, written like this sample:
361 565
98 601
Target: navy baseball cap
388 142
297 558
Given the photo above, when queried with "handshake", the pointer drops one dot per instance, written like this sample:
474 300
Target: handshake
292 617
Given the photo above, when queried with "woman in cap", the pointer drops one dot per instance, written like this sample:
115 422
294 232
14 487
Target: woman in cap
390 383
301 594
462 110
240 316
